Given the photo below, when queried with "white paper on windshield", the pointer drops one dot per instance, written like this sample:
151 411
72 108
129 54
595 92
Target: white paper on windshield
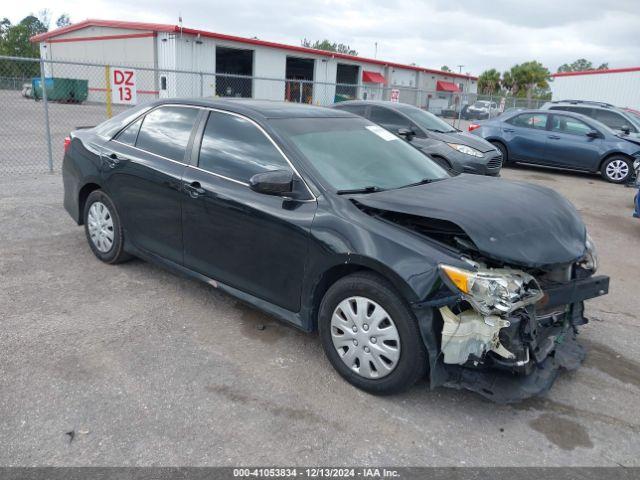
382 133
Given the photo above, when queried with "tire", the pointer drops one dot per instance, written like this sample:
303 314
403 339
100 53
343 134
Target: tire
616 169
503 152
371 365
103 228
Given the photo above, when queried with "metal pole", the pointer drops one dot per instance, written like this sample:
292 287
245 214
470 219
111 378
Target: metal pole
46 115
107 81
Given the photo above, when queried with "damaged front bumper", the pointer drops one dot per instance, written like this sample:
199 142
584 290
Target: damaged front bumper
514 356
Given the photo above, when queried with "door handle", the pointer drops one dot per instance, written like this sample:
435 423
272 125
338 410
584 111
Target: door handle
194 189
509 130
113 160
553 137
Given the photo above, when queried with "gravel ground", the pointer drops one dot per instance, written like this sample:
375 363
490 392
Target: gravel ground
147 368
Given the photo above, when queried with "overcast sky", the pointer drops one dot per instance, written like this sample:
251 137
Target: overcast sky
477 34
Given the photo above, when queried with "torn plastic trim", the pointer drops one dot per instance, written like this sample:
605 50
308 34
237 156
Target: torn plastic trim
504 387
471 334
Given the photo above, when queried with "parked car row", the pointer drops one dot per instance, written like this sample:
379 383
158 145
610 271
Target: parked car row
329 221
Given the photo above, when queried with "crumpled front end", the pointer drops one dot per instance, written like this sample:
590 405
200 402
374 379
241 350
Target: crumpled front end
508 342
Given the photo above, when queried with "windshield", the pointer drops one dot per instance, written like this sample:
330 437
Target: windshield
427 120
354 154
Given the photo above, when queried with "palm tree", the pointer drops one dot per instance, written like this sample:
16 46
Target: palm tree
489 81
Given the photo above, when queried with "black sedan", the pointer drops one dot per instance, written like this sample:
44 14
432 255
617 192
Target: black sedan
332 223
457 151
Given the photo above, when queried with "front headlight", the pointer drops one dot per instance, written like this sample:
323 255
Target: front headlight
465 149
494 291
590 259
636 163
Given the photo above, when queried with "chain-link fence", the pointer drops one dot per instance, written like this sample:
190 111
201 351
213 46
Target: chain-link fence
35 120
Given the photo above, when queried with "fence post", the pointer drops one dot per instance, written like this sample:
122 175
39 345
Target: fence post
46 114
107 81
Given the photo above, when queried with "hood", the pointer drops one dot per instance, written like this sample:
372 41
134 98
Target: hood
511 222
463 138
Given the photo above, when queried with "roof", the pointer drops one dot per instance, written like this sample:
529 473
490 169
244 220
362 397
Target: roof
159 27
263 108
596 72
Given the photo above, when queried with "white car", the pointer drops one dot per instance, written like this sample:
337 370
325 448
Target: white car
482 109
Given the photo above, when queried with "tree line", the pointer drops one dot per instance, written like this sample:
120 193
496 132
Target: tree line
528 79
14 42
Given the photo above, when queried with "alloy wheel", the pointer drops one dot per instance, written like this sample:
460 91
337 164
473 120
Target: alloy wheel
365 337
100 223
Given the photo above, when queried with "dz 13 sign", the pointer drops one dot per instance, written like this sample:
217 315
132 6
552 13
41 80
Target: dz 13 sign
123 86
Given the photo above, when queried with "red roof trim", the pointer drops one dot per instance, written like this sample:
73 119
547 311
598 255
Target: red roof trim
596 72
105 37
158 27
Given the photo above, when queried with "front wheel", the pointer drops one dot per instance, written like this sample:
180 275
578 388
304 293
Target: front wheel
370 335
616 169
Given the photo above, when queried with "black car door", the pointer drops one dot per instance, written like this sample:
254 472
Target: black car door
254 242
142 171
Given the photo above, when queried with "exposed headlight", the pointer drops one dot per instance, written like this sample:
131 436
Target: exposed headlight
494 291
465 149
636 163
590 260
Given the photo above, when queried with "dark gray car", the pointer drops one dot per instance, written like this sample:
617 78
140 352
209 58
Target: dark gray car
455 150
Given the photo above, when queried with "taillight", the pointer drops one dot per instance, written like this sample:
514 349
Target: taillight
473 126
67 143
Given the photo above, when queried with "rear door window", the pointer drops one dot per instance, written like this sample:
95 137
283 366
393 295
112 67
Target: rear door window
165 131
536 121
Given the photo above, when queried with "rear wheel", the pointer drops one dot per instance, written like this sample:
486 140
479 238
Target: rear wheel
103 228
370 335
616 169
503 151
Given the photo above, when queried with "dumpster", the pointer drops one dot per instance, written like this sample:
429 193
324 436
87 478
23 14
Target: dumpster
68 90
340 97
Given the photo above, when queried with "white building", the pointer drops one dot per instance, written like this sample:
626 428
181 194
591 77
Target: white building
237 66
620 87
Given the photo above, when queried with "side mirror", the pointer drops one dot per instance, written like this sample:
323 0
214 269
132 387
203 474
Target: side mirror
274 182
626 129
407 133
593 134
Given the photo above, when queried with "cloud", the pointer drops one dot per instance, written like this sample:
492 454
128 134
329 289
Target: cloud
474 33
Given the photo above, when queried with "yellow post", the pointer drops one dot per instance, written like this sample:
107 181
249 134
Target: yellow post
107 80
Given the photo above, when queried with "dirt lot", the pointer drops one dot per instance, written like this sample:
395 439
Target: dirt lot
147 368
